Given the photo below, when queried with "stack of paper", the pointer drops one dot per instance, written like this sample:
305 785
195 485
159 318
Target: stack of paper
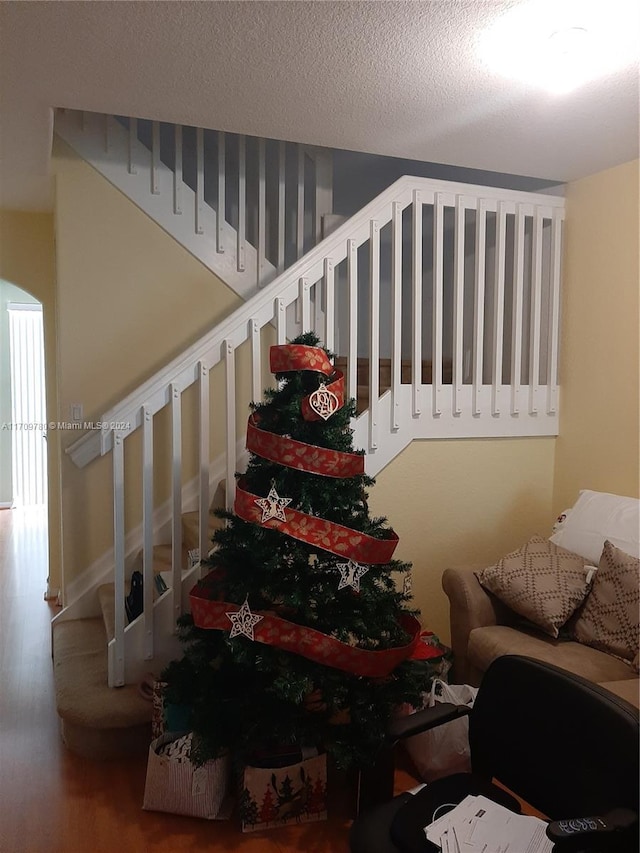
478 825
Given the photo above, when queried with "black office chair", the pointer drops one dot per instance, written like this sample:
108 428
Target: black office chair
564 745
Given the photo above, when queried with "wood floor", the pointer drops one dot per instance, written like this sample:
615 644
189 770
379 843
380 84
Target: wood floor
52 801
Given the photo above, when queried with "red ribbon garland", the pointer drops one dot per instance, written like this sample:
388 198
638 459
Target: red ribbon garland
311 644
301 456
284 358
323 534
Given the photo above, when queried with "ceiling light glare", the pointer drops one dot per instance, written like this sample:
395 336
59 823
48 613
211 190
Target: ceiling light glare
561 44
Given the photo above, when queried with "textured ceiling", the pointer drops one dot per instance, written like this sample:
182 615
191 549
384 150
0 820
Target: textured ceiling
395 78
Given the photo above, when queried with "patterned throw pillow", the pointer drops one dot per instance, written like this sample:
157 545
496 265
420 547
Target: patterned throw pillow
540 581
609 619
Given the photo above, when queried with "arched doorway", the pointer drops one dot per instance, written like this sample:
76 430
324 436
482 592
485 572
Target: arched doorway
23 448
23 458
28 404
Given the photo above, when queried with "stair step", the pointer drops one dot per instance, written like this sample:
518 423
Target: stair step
191 528
384 376
97 721
384 371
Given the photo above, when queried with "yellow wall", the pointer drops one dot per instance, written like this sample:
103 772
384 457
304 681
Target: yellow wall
130 299
460 502
27 259
599 368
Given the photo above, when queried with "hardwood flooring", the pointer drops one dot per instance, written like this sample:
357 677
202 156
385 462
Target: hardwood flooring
52 801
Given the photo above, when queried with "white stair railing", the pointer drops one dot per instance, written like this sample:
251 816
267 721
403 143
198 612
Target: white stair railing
443 300
246 207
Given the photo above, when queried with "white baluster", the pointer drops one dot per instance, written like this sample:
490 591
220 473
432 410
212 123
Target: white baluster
203 454
554 317
281 321
478 305
438 251
155 158
220 214
352 276
536 299
458 305
176 500
262 213
116 677
147 527
416 305
256 362
199 180
282 152
177 172
329 308
318 313
516 328
242 201
230 387
305 303
133 139
300 205
498 309
374 332
396 309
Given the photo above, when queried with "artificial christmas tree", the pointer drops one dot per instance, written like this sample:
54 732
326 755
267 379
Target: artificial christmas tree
300 634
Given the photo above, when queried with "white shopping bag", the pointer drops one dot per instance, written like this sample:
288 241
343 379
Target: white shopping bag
445 749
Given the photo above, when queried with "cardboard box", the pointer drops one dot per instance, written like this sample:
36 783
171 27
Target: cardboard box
275 796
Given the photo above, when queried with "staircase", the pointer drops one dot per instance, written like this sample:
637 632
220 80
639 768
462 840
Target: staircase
247 208
442 301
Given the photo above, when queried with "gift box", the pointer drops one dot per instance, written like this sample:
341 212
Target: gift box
177 786
277 795
165 716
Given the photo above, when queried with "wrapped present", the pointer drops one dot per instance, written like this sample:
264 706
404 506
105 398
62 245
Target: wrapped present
276 795
165 716
157 711
177 786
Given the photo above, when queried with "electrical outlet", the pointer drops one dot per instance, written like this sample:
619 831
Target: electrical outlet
76 412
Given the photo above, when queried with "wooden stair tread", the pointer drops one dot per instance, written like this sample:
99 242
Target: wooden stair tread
191 528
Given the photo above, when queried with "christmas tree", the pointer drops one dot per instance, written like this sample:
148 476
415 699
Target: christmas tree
301 632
